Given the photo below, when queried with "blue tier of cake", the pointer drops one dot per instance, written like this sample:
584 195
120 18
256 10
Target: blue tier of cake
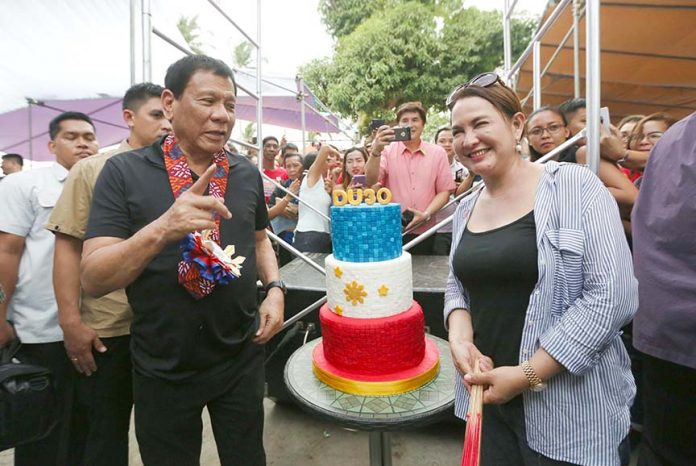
366 233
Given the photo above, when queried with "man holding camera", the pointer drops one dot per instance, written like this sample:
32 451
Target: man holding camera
415 171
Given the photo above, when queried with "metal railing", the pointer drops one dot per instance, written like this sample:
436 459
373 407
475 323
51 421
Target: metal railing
510 71
148 31
294 196
514 69
592 56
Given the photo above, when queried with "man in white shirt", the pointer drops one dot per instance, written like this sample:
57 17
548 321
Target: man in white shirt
12 163
26 266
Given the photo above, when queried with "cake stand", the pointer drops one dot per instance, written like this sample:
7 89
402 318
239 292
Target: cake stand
377 415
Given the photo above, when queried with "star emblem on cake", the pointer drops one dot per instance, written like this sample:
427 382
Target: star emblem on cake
338 271
355 292
383 290
338 309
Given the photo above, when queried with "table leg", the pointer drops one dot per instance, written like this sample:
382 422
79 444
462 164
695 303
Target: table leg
380 449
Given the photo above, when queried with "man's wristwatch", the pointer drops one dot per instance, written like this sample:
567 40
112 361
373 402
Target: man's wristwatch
277 284
535 383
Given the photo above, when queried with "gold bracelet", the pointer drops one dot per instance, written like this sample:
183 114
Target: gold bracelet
535 382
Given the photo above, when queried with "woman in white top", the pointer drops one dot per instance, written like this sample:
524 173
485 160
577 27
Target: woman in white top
313 232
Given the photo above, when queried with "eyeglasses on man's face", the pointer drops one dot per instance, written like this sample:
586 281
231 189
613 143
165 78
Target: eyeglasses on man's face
481 80
553 129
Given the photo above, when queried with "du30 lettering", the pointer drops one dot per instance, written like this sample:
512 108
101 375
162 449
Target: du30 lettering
358 196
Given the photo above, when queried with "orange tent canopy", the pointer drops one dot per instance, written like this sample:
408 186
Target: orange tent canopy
648 58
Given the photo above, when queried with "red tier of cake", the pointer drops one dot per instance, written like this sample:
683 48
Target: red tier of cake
367 347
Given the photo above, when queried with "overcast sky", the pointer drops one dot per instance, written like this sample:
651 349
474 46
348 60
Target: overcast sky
292 33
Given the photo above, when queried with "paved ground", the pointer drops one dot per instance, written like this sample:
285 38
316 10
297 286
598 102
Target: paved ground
294 438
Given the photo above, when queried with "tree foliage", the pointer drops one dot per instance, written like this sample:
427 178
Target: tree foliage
249 132
389 52
241 55
341 17
189 29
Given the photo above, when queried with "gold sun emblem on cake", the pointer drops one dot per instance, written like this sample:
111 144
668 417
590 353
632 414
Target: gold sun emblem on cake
383 290
338 309
338 271
355 292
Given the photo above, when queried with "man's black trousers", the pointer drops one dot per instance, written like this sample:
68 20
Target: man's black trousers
105 399
168 421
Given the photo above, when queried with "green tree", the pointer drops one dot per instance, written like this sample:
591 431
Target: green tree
341 17
249 132
382 62
241 55
436 120
412 50
319 74
190 30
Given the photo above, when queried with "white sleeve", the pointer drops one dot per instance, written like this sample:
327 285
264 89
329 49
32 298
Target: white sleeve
17 211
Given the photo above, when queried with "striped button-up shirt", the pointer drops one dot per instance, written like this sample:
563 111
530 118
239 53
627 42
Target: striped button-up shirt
585 293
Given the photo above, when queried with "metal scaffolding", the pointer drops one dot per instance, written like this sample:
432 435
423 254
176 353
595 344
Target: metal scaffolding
148 31
592 63
510 72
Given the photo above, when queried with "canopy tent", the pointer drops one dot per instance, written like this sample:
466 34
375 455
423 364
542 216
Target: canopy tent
84 66
25 130
648 58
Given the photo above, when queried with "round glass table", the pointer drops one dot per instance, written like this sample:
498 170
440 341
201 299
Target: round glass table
375 414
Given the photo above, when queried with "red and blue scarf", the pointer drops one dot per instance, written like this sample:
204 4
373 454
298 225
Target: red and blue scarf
204 263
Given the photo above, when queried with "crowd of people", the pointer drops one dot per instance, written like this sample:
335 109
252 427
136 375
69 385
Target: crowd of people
99 281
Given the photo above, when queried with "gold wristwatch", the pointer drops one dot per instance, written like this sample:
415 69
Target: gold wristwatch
535 383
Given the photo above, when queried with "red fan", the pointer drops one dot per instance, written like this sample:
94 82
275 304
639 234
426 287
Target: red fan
471 456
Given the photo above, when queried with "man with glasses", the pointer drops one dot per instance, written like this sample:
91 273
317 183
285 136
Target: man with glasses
287 149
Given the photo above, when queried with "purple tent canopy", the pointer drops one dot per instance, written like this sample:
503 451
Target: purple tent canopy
25 130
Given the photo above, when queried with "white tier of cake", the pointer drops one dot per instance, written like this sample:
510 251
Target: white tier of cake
369 289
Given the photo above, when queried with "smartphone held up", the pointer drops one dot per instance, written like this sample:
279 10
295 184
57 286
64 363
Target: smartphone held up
406 217
402 133
376 123
358 181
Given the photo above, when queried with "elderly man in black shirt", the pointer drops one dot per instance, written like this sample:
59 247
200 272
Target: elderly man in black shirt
196 333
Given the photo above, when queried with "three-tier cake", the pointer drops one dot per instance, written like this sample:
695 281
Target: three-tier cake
373 331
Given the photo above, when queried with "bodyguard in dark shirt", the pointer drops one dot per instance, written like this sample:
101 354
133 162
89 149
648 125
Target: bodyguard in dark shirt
196 345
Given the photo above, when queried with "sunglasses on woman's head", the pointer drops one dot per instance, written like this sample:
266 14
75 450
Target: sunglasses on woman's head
481 80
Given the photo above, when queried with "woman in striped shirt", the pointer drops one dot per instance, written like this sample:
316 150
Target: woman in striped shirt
540 284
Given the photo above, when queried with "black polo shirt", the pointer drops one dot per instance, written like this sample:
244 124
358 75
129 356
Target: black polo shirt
174 336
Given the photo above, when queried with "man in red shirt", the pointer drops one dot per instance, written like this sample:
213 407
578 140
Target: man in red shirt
417 172
270 152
